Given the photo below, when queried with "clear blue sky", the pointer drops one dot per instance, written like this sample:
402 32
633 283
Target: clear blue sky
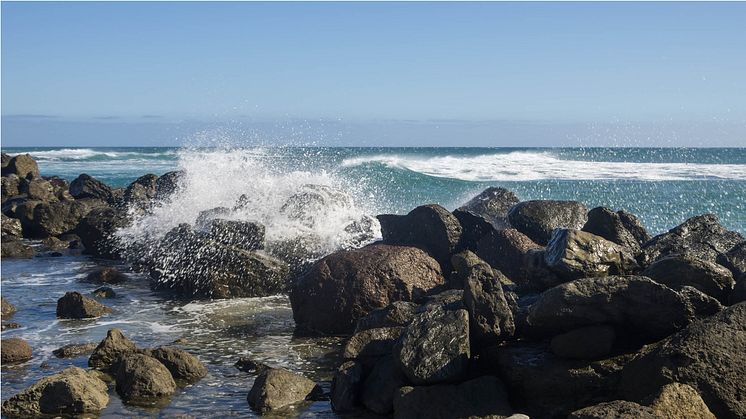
93 67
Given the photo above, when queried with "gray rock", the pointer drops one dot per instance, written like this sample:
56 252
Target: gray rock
142 379
435 347
182 365
490 317
346 387
15 350
277 388
85 186
515 255
677 271
619 227
381 385
463 263
141 192
575 254
114 346
617 409
493 205
38 189
57 218
592 342
167 184
96 231
398 313
23 165
74 305
75 350
537 219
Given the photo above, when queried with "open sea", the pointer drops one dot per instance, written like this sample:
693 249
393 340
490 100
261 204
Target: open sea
663 187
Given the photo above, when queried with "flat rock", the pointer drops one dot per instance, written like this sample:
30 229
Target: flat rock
537 219
277 388
74 305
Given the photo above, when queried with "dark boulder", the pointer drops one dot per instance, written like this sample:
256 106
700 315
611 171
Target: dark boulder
74 305
52 243
141 192
493 205
591 342
368 345
346 387
677 271
277 388
435 347
481 397
347 285
142 379
463 264
37 189
575 254
249 365
473 228
85 186
96 231
615 409
106 275
734 259
739 291
104 292
513 253
490 317
398 313
700 304
57 218
182 365
114 346
447 300
10 186
15 350
537 219
167 184
703 237
75 350
23 165
241 234
381 385
620 227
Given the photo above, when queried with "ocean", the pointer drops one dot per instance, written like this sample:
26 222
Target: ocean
662 186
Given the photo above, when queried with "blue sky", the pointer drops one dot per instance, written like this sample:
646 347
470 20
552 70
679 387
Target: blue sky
152 73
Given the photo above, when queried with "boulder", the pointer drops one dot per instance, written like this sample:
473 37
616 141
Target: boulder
52 243
537 219
104 292
37 189
114 346
381 385
23 165
370 344
182 365
167 184
634 305
7 308
206 217
677 271
16 249
676 401
11 227
463 264
493 205
429 227
575 254
620 227
700 304
481 397
446 300
591 342
398 313
10 186
96 231
241 234
734 259
435 347
57 218
85 186
314 202
139 193
142 379
106 275
703 237
74 305
12 205
72 392
75 350
346 387
15 350
707 355
347 285
277 388
618 409
490 317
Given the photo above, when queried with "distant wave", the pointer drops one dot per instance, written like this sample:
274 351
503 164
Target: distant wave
89 154
531 166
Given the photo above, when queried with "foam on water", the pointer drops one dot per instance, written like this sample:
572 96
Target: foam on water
532 166
88 153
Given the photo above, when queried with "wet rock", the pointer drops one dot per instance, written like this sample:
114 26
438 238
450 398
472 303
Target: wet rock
206 217
510 252
702 237
490 317
140 192
537 219
104 292
435 347
23 165
142 379
346 387
96 231
114 346
106 275
621 227
615 409
429 227
592 342
167 184
249 365
53 243
74 305
734 259
700 304
16 249
10 325
677 271
634 305
473 228
481 397
7 309
463 264
398 313
85 186
277 388
182 365
493 205
368 345
347 285
707 355
575 254
676 401
70 392
241 234
15 350
314 202
57 218
11 227
381 385
75 350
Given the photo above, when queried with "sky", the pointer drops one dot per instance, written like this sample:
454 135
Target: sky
480 74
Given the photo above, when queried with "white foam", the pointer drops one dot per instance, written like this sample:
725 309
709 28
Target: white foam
87 153
531 166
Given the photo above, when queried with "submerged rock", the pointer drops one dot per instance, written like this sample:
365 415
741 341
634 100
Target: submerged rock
277 388
7 308
104 292
75 350
106 275
493 205
15 350
74 305
537 219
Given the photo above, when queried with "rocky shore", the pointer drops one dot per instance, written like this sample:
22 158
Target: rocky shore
501 308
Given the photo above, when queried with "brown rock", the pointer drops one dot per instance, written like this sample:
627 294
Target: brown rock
74 305
15 350
676 401
277 388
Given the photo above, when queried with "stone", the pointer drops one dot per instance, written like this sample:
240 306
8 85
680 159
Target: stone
617 409
75 350
473 228
85 186
106 275
142 380
700 304
575 254
74 305
703 237
346 387
347 285
10 186
104 292
493 205
510 252
23 165
15 350
592 342
676 401
37 189
247 364
167 184
139 193
11 227
16 249
677 271
58 218
10 325
739 291
182 365
620 227
435 347
463 264
241 234
381 385
490 317
447 300
537 219
53 243
398 313
278 388
480 397
648 311
371 344
73 391
114 346
8 309
96 231
734 259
